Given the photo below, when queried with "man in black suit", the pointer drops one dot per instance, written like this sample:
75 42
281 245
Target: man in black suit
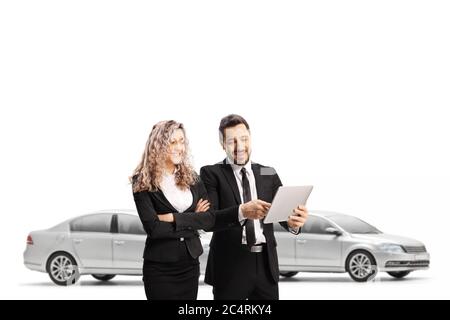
242 261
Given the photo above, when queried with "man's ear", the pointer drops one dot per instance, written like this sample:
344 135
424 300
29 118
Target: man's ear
221 137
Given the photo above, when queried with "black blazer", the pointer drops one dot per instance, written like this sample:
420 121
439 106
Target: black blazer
227 255
163 238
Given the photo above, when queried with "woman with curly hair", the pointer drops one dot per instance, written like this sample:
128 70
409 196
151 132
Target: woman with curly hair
172 204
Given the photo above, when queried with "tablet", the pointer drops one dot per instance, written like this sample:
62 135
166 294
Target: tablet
286 200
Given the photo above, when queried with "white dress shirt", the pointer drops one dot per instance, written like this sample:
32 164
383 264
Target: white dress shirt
259 236
179 199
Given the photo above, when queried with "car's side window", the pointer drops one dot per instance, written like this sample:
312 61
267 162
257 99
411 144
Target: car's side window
130 225
309 222
316 225
92 223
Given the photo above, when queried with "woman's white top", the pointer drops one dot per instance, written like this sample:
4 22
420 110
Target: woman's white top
179 199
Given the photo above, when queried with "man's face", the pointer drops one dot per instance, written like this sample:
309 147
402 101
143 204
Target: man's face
237 144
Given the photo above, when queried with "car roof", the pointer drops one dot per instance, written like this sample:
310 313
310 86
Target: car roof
110 211
322 213
115 211
326 214
319 213
133 212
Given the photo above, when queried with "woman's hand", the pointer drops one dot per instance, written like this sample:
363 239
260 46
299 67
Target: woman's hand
166 217
202 206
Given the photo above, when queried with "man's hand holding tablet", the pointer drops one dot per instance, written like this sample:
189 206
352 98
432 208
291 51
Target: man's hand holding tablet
298 218
289 205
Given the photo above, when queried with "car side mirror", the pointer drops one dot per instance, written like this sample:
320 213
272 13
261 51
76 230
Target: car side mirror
333 231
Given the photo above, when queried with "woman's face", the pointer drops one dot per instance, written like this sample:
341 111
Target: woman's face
177 148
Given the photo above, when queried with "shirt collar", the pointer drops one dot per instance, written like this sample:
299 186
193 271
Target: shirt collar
237 168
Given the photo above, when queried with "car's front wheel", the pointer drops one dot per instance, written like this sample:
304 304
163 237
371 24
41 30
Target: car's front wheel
288 274
103 277
399 274
361 265
62 269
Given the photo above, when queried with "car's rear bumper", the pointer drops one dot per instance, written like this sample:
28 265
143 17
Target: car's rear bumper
33 261
388 262
34 266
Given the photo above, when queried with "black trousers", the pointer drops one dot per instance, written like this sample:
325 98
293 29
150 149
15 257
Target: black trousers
258 285
171 280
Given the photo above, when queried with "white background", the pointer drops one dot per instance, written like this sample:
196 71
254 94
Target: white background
350 96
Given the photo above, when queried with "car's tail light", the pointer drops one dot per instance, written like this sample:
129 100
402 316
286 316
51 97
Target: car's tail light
29 240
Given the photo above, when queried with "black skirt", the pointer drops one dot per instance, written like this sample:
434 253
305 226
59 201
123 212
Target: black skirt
171 280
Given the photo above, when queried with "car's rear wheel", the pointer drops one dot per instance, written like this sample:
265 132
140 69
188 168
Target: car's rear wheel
361 266
399 274
62 269
288 274
103 277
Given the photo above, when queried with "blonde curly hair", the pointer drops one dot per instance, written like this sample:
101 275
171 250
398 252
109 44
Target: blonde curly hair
148 174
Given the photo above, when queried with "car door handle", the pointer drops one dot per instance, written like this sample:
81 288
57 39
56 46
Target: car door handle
78 241
118 242
301 241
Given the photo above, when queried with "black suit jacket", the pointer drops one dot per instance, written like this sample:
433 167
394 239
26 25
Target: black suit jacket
227 255
163 238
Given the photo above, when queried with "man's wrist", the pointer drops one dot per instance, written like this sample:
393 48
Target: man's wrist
294 230
241 217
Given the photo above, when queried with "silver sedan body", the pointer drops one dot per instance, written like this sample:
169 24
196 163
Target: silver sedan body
111 242
101 244
333 242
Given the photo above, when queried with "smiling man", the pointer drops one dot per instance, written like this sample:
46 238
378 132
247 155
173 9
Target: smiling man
242 261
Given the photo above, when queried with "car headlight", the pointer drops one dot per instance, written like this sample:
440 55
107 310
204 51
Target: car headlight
392 248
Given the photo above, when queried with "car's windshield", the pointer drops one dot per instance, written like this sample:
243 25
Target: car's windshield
353 225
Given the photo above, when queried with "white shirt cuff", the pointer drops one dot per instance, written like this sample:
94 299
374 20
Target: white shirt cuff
241 217
293 230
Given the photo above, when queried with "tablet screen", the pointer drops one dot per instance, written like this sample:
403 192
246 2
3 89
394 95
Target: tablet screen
285 201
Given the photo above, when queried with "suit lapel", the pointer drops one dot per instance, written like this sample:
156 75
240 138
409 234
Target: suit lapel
231 179
195 198
257 173
259 187
162 198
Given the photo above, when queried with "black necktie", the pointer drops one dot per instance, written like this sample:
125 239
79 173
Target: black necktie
247 195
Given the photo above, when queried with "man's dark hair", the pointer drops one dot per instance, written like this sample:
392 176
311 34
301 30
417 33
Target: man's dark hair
229 121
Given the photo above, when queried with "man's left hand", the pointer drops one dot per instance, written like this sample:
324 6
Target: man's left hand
298 217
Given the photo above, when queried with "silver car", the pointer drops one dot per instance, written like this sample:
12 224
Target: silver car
333 242
102 244
111 242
